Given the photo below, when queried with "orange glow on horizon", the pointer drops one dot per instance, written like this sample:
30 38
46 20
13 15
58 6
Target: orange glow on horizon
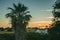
5 25
40 25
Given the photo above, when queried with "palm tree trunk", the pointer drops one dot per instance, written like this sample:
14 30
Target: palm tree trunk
20 33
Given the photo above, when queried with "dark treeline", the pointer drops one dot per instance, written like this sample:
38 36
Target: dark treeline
6 29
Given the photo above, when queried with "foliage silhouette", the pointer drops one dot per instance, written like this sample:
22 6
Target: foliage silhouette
19 19
54 32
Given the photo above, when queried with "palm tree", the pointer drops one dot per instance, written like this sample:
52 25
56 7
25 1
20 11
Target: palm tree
19 20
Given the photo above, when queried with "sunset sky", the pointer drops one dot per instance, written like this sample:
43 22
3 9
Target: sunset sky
41 10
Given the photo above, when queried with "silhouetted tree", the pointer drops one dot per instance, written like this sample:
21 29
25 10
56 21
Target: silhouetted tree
54 32
19 20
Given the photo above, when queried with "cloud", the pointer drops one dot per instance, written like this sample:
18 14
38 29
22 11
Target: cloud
50 17
48 10
41 22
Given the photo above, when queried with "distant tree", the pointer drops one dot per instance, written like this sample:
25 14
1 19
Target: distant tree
8 29
1 29
19 20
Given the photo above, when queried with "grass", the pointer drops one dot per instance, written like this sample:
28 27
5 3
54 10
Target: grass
7 36
30 36
3 32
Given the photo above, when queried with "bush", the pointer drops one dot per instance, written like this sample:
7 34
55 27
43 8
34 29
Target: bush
7 37
36 36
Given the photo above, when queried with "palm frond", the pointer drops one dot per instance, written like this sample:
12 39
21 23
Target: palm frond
8 15
27 17
25 13
24 8
16 12
11 8
19 5
14 5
